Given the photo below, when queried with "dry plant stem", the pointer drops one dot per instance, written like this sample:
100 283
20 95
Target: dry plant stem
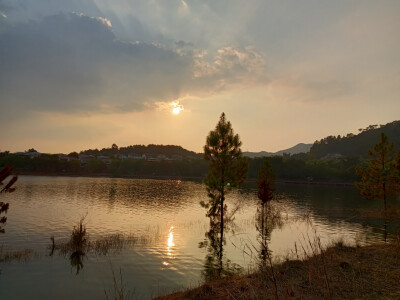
322 255
272 271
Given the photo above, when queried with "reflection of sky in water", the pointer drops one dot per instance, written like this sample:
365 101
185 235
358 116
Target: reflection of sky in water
168 214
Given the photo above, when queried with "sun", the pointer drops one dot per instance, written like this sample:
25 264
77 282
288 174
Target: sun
176 108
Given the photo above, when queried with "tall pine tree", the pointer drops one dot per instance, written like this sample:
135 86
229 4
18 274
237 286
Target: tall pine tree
227 168
380 179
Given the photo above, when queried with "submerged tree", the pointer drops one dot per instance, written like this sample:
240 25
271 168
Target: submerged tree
380 180
227 168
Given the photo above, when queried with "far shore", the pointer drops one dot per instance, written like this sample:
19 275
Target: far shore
184 178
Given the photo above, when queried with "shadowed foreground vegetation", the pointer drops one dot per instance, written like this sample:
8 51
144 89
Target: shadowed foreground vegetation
339 272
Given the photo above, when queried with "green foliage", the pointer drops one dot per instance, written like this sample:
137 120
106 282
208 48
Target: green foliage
266 182
380 178
74 155
96 166
151 150
227 166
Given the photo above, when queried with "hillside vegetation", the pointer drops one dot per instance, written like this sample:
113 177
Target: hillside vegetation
356 145
332 159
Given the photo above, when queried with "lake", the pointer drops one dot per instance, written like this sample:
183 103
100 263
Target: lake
166 228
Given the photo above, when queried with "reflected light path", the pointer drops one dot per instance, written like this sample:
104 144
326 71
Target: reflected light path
170 245
170 240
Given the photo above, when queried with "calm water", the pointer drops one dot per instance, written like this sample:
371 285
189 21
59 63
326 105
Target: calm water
170 226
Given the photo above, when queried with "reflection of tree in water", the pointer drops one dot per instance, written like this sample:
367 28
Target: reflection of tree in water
75 247
268 217
215 264
76 260
79 245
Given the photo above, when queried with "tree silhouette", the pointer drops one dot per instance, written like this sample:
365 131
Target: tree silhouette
380 179
265 182
7 189
227 168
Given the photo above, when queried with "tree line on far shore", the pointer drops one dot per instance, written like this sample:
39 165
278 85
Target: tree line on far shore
333 159
285 167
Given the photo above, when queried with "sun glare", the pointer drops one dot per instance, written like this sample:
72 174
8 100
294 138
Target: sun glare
170 243
176 108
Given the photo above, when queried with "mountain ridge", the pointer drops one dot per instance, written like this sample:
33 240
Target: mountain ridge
296 149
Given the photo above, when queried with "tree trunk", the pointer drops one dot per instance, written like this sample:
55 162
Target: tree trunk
384 183
262 222
222 210
384 195
222 225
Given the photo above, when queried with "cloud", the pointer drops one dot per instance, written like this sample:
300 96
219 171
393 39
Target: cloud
105 21
75 63
72 62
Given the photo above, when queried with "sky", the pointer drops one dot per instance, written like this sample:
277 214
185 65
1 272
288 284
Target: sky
84 74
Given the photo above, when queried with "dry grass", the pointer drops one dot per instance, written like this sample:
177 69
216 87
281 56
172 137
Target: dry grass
119 291
112 243
16 255
80 242
339 272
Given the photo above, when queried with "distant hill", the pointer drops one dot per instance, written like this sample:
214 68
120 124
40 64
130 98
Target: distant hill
258 154
299 148
356 145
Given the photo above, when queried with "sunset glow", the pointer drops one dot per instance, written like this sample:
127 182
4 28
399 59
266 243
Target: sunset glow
176 108
291 78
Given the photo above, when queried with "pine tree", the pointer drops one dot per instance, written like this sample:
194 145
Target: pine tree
227 168
380 179
265 182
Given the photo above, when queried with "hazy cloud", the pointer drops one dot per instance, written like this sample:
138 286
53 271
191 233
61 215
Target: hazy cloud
74 63
293 58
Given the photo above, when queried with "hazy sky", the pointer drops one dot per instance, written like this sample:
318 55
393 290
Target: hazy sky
86 74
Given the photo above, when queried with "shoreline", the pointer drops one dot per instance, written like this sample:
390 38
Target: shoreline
338 272
184 178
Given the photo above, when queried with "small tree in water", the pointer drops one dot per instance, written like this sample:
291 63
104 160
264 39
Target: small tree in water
228 168
265 182
380 179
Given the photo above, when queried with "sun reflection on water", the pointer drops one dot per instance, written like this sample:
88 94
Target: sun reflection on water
170 245
170 240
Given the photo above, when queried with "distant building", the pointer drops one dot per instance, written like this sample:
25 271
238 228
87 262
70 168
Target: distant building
105 159
29 154
153 159
176 157
65 157
161 157
85 158
135 156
